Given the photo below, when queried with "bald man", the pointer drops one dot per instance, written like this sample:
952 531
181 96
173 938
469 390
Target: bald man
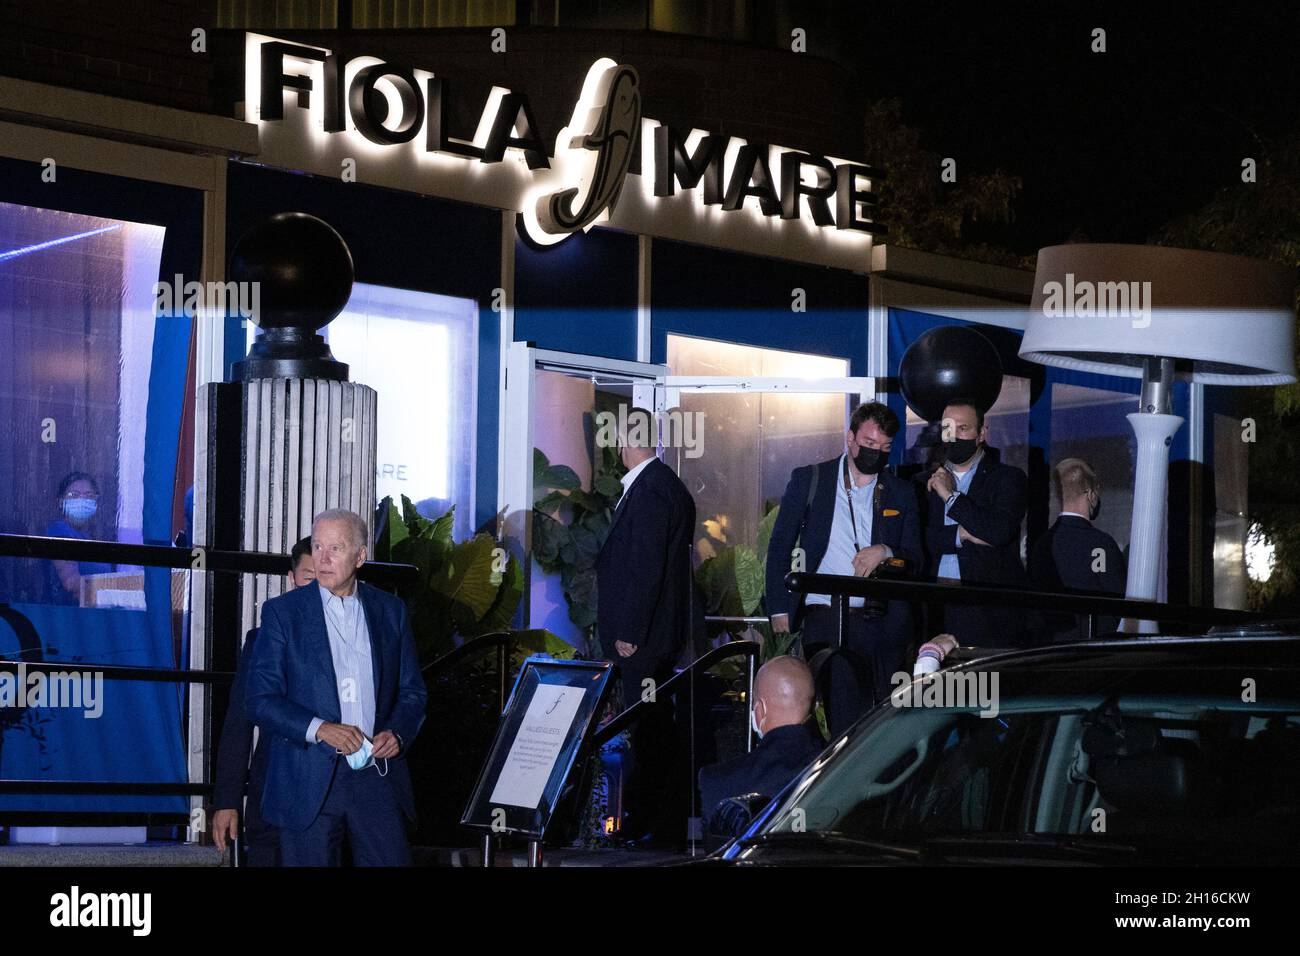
788 739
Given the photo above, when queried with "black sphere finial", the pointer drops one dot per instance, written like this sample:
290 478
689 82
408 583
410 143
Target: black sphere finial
952 361
303 274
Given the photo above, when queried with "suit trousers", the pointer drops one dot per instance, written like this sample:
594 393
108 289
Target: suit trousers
359 807
646 790
858 675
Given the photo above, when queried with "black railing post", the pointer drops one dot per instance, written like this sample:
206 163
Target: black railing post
501 677
749 700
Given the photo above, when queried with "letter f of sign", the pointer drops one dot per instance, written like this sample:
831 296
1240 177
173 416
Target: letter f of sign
611 137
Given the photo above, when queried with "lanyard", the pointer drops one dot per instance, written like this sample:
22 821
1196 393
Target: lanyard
848 493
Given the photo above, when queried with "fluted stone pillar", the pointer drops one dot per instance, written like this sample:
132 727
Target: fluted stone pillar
309 444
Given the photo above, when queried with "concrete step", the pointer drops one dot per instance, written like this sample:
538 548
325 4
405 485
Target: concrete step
143 854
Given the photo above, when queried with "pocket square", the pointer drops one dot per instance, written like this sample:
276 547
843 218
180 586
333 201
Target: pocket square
890 513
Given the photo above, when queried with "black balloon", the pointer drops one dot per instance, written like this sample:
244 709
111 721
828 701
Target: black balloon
952 361
303 268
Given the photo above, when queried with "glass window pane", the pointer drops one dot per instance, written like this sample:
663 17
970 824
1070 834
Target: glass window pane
419 352
1091 423
752 442
82 357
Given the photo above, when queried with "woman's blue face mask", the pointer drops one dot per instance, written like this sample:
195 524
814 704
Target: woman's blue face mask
80 509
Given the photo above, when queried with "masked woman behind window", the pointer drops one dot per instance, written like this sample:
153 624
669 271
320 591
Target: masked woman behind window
78 500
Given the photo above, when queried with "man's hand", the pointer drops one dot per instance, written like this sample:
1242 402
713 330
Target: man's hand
344 738
942 483
780 623
866 560
624 648
968 537
225 824
386 744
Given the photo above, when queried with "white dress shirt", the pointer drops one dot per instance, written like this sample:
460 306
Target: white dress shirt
349 637
631 476
839 555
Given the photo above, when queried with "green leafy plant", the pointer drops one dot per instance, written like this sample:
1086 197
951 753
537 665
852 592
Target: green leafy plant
570 525
464 588
732 579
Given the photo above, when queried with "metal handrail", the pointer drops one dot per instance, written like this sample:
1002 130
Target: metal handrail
1076 602
166 556
123 672
147 555
106 787
474 644
498 639
615 726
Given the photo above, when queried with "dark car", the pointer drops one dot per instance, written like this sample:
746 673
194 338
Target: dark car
1127 752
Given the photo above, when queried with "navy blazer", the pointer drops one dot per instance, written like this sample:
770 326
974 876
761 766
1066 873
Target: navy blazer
992 509
233 768
1063 560
643 570
896 523
292 680
775 760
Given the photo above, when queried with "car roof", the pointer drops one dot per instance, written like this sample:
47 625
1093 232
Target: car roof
1227 648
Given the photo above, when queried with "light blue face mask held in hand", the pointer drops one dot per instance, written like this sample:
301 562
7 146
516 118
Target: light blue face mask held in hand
363 757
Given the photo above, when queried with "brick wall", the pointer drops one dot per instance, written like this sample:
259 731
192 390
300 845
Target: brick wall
127 48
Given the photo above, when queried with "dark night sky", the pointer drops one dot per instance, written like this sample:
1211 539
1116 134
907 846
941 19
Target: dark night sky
1113 144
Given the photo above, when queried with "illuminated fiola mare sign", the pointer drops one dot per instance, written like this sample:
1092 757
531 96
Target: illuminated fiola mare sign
389 104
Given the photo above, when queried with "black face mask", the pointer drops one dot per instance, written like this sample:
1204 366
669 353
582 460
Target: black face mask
869 461
1095 510
961 450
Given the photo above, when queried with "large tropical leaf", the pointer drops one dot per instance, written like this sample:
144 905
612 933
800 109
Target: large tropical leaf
502 612
732 581
547 476
608 485
394 532
542 641
470 582
765 535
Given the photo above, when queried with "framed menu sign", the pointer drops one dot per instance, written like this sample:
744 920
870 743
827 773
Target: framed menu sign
552 709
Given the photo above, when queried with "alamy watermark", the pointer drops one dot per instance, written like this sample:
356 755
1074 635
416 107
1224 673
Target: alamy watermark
1088 299
672 429
80 690
207 300
947 690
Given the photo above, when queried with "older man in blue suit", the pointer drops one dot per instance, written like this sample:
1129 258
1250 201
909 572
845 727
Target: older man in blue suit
335 684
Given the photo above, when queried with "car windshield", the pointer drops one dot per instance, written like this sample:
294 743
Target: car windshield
1128 769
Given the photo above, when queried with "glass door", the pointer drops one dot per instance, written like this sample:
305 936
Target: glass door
756 414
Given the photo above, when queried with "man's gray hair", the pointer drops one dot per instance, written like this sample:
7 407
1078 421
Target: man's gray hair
357 529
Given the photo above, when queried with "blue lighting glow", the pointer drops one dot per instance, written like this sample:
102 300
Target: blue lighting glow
50 243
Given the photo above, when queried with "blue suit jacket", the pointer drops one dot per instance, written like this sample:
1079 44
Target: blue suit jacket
291 680
896 522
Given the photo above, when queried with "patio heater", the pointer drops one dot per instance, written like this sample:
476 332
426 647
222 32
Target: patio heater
1160 314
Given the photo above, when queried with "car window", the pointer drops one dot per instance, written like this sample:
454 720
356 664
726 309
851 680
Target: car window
1201 770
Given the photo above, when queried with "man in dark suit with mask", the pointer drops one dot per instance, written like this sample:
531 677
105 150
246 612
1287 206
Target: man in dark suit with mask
975 505
643 606
1075 556
848 515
